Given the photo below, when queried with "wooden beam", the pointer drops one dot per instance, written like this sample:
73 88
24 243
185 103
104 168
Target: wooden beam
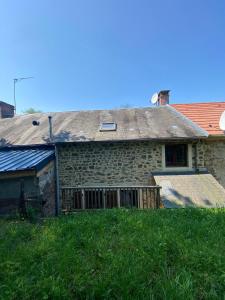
17 174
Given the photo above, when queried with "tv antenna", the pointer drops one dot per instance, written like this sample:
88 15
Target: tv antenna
15 80
222 121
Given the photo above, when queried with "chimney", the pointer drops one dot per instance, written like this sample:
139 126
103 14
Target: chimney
164 97
6 110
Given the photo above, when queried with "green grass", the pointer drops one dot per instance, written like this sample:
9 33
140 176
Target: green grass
117 254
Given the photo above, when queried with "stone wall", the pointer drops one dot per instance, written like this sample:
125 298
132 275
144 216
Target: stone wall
215 159
127 163
200 162
117 163
47 189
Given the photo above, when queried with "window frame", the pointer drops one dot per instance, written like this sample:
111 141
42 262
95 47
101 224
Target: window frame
114 126
189 159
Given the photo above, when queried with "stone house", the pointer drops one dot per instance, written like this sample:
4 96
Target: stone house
207 116
109 156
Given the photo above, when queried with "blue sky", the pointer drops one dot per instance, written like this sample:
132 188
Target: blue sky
93 54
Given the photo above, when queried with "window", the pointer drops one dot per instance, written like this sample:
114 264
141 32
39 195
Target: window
108 126
176 155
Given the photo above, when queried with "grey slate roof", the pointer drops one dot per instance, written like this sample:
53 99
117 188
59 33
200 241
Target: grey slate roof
190 190
132 124
24 159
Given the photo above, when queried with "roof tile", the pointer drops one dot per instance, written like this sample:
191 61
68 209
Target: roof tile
206 115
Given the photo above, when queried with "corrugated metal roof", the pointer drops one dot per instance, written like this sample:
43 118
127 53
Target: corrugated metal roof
206 115
190 190
132 124
23 159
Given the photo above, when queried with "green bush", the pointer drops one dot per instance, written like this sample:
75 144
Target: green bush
115 254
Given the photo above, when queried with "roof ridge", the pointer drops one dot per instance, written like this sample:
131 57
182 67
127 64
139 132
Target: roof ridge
94 110
194 103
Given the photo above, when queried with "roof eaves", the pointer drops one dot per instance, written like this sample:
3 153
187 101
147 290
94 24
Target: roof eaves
161 139
216 136
16 174
46 146
44 162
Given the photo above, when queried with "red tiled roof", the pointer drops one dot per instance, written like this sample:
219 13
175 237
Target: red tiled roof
206 115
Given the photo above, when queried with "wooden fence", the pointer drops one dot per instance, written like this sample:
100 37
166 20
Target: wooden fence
81 198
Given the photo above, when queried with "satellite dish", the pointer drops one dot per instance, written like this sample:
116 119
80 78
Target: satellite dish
155 98
222 121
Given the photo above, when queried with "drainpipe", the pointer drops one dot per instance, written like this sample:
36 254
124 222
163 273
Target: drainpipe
50 128
57 197
57 182
196 157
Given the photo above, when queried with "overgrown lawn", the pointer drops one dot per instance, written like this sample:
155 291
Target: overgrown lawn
115 254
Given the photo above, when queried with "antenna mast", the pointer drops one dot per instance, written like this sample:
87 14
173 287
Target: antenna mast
15 80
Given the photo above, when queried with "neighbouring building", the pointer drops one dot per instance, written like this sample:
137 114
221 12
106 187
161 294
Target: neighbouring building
27 174
6 110
108 158
207 116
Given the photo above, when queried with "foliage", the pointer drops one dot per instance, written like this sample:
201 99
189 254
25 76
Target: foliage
33 214
31 110
115 254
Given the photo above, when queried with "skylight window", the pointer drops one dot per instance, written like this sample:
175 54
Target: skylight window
108 126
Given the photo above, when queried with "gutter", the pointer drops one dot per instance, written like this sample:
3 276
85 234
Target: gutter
196 157
24 147
212 137
160 140
140 139
57 194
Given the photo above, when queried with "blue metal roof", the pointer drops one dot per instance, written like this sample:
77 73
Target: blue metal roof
24 159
